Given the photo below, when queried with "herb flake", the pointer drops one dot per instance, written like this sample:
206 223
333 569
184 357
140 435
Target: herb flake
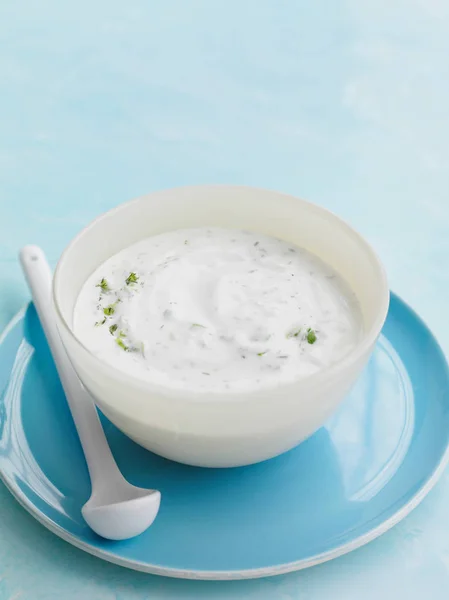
132 278
109 310
311 336
103 285
122 344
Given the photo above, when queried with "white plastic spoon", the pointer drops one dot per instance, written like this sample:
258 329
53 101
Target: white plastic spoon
116 509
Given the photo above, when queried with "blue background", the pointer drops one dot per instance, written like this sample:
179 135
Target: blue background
341 102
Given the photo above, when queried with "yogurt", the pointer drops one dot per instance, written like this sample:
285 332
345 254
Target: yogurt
217 310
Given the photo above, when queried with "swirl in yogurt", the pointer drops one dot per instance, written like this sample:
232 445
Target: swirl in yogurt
217 310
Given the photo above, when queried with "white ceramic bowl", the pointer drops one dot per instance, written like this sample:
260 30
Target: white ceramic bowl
221 430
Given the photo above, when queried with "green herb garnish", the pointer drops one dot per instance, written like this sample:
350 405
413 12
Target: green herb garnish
132 278
262 353
98 323
109 310
294 333
122 344
103 285
198 325
113 328
311 336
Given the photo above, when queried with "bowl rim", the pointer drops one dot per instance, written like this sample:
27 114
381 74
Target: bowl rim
330 372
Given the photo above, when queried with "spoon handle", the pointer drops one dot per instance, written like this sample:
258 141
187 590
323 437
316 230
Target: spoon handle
98 455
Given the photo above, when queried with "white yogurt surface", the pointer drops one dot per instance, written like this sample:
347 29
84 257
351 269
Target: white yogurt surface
212 309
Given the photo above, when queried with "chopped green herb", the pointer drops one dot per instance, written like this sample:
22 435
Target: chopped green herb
294 333
311 336
198 325
98 323
262 353
103 285
109 310
122 344
113 328
132 278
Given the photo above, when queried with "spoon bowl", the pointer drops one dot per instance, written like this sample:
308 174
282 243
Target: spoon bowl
129 514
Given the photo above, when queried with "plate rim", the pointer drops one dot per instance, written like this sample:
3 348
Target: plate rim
220 575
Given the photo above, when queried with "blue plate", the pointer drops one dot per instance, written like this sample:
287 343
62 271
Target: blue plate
355 478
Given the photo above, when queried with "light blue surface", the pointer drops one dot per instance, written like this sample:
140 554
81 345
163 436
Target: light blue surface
344 103
347 482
